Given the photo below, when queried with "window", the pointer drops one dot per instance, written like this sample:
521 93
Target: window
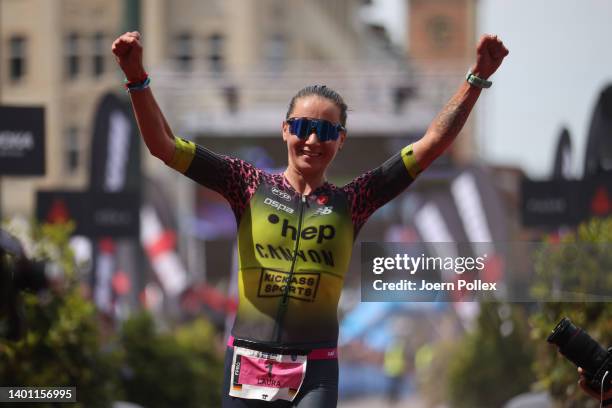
184 51
98 48
17 58
72 55
215 52
71 150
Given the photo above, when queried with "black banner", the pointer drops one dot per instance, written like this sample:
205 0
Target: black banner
22 141
115 149
565 202
113 215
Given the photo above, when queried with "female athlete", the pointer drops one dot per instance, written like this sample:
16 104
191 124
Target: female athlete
295 229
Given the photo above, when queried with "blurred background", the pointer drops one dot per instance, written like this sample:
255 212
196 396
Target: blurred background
129 269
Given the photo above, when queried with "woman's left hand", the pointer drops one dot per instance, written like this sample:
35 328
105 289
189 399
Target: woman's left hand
489 55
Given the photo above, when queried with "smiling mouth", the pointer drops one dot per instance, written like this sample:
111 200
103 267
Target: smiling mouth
310 154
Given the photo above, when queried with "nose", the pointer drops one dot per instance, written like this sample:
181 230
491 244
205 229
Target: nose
312 137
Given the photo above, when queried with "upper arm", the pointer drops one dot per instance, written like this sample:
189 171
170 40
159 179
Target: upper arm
233 178
424 153
375 188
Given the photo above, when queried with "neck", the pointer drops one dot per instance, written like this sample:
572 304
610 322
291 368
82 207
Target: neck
303 183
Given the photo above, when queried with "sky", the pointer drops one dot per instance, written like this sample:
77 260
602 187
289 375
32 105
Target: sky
560 60
392 15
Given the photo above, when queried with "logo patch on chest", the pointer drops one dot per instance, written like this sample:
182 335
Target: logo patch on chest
279 193
299 285
324 210
320 232
278 206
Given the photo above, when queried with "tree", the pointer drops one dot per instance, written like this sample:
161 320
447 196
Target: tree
582 260
61 345
493 363
171 369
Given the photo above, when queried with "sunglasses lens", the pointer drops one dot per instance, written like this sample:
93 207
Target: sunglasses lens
298 128
327 131
303 127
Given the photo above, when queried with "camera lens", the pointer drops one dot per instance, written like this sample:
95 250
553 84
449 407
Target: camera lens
577 346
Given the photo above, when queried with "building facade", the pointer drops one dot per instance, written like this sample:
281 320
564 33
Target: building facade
55 54
218 67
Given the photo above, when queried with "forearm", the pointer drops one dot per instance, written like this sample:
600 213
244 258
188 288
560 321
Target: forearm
446 126
152 124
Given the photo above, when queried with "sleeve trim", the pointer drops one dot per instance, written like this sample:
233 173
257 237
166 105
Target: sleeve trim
410 162
184 152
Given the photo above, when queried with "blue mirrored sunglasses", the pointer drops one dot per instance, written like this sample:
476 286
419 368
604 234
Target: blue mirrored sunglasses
325 130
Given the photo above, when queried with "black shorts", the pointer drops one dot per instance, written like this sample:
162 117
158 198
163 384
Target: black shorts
319 390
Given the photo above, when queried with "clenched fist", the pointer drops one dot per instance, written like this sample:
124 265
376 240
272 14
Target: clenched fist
490 53
128 53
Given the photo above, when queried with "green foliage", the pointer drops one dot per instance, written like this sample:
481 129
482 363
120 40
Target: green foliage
61 345
431 364
493 363
164 370
575 268
573 264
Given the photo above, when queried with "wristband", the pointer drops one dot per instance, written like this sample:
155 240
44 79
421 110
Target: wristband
138 86
477 81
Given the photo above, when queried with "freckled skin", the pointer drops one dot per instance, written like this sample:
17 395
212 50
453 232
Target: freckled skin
308 159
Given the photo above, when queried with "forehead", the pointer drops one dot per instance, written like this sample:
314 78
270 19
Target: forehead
316 107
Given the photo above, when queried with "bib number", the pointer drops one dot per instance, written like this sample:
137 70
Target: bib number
266 376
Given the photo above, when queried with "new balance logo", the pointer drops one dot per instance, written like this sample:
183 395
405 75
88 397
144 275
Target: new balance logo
323 210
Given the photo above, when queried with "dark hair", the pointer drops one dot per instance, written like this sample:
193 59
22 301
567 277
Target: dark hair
324 92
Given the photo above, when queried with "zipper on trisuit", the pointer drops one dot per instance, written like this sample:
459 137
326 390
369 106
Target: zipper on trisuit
282 308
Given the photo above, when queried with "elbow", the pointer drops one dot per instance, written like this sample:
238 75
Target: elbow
163 151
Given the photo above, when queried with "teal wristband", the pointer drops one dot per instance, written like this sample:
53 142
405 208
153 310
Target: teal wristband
137 86
476 81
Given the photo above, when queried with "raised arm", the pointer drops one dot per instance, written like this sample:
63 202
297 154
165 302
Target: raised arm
445 127
153 127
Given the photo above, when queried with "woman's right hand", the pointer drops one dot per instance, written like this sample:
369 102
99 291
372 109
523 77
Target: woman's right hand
128 53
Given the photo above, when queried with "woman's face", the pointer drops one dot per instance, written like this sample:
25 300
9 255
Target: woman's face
310 156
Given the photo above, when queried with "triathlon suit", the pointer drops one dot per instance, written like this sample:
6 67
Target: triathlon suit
293 253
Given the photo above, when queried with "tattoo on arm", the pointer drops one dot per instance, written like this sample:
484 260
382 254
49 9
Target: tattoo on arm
446 126
452 118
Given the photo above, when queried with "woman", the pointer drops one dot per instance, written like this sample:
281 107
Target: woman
295 230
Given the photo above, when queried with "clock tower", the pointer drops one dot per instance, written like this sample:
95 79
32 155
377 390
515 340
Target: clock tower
442 33
441 46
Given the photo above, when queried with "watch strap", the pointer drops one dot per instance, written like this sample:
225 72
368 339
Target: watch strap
477 81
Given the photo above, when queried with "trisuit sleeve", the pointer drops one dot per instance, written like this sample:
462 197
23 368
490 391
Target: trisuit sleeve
235 179
376 187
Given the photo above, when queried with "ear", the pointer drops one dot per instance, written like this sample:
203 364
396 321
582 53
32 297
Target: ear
342 139
285 130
